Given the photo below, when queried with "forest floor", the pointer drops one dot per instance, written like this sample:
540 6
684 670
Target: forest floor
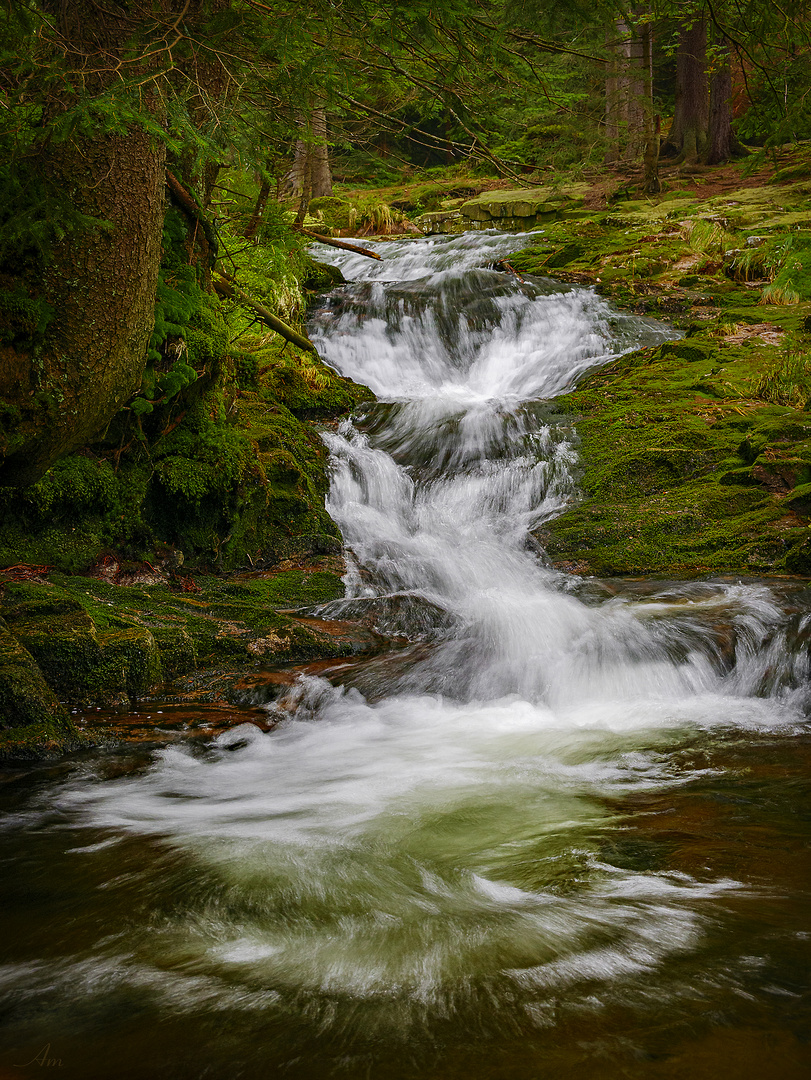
697 454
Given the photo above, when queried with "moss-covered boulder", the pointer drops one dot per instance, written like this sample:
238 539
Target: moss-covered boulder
33 721
25 697
132 661
321 275
80 663
684 471
84 641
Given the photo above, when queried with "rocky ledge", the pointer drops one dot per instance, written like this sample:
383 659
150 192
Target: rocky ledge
75 641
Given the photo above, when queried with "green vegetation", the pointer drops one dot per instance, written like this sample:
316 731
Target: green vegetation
220 464
85 640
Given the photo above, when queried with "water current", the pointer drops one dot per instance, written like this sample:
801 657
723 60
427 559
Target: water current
560 830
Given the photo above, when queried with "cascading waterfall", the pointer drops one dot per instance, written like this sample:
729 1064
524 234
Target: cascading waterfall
433 867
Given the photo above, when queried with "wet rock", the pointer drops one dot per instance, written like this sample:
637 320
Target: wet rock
25 697
178 652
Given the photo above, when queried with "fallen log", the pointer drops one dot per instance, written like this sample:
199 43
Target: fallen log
224 286
337 243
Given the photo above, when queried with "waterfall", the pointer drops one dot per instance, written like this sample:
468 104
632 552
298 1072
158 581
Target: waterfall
434 856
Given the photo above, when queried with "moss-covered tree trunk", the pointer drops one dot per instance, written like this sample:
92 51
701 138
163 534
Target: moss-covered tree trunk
99 64
101 286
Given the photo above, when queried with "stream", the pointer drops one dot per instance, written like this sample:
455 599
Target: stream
562 830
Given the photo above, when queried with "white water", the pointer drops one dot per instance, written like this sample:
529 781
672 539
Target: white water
432 844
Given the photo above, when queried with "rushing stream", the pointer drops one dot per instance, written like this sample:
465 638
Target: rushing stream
562 830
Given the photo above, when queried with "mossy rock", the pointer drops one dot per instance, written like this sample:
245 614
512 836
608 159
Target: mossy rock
321 275
798 559
178 651
564 256
78 662
25 697
70 657
131 657
21 600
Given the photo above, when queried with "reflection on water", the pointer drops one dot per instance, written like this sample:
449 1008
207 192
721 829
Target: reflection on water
565 832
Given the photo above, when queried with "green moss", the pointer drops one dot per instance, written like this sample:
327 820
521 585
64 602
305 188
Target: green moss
79 508
669 485
23 319
33 742
308 389
88 641
291 588
565 255
320 275
25 697
68 653
221 468
131 656
335 212
207 336
178 652
82 657
21 600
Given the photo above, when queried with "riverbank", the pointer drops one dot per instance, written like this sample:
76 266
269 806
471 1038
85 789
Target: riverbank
172 546
696 455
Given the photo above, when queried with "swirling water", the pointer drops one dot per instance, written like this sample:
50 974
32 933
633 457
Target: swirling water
563 829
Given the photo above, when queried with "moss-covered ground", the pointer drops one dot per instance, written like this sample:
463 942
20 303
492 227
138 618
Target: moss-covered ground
81 640
696 455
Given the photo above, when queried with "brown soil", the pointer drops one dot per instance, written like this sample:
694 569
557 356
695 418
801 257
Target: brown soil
707 181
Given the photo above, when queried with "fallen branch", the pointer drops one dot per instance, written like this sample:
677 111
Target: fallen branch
187 203
338 243
224 286
503 265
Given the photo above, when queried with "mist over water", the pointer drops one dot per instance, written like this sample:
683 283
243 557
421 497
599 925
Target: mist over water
433 859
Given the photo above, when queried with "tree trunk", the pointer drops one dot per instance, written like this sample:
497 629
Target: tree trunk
628 93
320 172
306 189
688 132
719 138
252 227
638 92
616 91
650 184
310 158
294 177
101 287
99 283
